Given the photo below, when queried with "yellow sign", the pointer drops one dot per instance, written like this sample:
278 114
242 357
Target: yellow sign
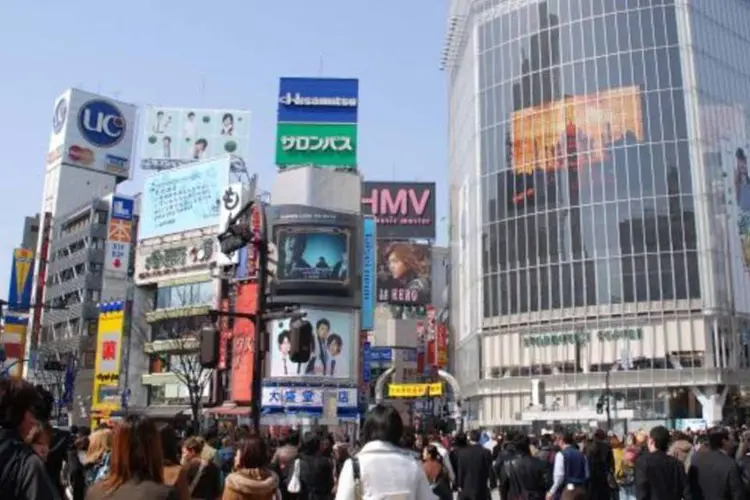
108 352
415 390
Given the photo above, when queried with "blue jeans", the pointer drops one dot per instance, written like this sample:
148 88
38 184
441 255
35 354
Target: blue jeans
627 492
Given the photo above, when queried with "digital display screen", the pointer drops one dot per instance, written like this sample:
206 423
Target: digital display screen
313 254
576 130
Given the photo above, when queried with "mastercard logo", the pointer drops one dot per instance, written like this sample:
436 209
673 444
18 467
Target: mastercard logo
80 155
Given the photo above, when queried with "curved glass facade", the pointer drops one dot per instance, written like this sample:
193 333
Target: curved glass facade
600 204
586 186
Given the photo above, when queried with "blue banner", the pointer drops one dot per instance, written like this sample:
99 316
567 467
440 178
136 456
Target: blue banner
381 354
366 363
122 208
369 273
318 100
21 279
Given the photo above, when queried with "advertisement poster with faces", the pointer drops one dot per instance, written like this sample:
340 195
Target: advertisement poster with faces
332 348
195 134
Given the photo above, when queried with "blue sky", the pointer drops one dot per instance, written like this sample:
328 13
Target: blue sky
225 54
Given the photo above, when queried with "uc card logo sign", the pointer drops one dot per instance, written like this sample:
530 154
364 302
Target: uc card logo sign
101 123
318 100
122 208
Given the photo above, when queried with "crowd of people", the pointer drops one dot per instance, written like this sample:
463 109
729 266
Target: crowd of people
137 458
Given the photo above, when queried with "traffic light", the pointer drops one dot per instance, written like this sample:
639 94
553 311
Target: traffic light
236 237
209 351
301 338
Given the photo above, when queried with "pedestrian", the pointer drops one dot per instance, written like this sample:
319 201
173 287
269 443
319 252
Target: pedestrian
137 465
23 475
658 475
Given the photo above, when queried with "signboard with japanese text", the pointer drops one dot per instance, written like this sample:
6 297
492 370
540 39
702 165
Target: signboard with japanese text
318 144
119 237
108 353
291 398
183 199
178 259
415 390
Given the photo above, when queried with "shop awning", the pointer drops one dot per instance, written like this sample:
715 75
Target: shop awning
156 411
228 410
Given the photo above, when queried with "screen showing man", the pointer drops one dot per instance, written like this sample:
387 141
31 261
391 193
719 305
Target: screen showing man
313 255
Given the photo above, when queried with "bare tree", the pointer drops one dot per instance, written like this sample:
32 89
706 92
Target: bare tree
185 365
180 354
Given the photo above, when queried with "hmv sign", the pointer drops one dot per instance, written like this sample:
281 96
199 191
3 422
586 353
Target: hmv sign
402 209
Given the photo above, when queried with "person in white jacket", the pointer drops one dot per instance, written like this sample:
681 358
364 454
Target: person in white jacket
385 469
445 455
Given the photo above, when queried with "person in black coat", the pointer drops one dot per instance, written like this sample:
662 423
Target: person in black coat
713 473
601 467
659 476
475 478
524 476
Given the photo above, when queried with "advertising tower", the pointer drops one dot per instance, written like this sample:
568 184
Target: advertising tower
90 153
315 227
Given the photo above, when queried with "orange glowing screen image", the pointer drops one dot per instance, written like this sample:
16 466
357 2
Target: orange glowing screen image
575 130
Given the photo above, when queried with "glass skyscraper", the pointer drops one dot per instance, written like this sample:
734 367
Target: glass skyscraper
600 208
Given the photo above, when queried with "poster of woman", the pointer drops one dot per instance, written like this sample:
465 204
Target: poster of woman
404 273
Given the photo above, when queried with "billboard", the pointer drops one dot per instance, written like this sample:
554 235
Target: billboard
402 209
319 144
108 353
119 236
21 280
575 130
188 257
415 390
404 273
315 250
194 134
92 132
333 347
183 199
369 273
13 345
318 100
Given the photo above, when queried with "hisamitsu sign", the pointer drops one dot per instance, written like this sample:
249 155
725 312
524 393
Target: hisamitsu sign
318 100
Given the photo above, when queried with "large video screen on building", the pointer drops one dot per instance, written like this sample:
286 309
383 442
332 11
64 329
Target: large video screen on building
575 130
316 251
310 253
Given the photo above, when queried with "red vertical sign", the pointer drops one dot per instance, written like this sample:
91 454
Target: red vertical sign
225 336
431 345
441 339
243 337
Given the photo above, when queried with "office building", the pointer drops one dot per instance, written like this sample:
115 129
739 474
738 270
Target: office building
599 211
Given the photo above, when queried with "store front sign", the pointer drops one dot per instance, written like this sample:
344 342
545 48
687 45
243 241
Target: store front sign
582 337
158 263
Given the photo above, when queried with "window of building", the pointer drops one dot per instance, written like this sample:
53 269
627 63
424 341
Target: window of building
184 295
